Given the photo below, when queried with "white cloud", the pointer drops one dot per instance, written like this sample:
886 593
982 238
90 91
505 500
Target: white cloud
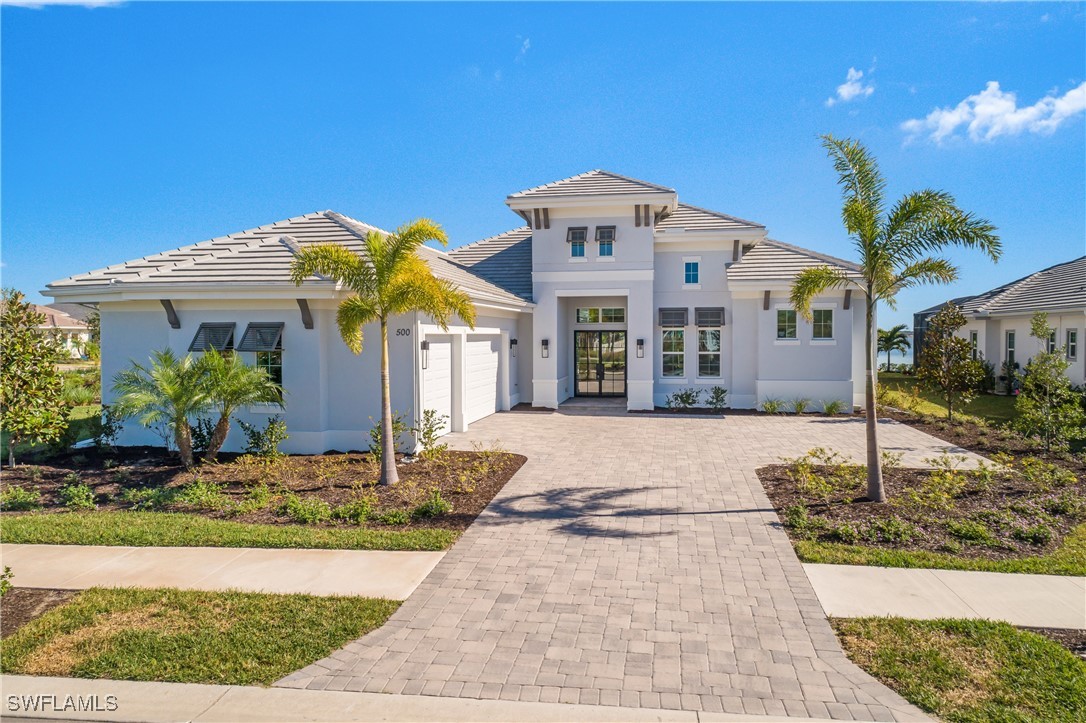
498 75
525 46
1045 18
852 88
39 4
993 112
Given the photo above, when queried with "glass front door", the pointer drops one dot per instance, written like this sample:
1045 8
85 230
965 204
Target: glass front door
600 363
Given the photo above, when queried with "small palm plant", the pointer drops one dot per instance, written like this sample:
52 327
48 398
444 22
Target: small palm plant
390 279
165 394
893 339
896 248
231 384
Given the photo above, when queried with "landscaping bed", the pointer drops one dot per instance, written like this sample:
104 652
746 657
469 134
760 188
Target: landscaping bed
322 494
225 638
23 604
969 670
1022 514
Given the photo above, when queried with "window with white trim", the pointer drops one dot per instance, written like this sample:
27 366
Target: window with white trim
786 323
576 238
708 352
1051 346
588 316
1072 344
973 344
605 239
1010 349
822 323
673 352
266 340
691 273
613 315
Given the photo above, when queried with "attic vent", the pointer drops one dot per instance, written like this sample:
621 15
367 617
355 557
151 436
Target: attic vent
262 337
709 317
219 337
673 317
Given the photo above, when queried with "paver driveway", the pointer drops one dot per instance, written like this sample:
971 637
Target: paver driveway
634 560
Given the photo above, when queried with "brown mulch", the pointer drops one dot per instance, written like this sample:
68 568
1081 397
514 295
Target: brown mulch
467 480
1073 640
1011 503
20 605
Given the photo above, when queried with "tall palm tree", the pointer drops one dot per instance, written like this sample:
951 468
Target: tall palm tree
391 278
231 383
164 394
893 339
897 249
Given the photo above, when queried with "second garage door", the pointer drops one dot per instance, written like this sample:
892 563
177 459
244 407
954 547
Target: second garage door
481 366
437 380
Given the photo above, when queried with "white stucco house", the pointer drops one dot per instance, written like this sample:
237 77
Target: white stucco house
998 326
72 333
612 287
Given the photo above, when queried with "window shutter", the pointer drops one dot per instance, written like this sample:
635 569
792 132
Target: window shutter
673 317
219 337
605 233
262 337
576 234
709 317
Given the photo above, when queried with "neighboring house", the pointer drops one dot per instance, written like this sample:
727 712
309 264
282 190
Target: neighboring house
998 325
613 288
73 333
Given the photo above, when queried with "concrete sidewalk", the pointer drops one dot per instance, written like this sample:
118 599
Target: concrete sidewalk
175 702
1048 601
392 575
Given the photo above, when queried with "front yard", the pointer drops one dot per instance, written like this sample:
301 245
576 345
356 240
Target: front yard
186 636
141 496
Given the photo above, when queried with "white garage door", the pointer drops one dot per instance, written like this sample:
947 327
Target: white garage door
437 379
481 364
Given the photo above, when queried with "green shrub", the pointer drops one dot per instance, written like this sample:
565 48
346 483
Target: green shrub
201 431
800 405
394 517
18 499
683 399
264 442
5 580
717 398
399 428
33 473
1045 476
309 510
433 506
358 510
845 532
890 530
891 460
77 496
257 498
970 531
1068 504
149 498
429 430
797 519
833 407
1040 534
203 495
772 406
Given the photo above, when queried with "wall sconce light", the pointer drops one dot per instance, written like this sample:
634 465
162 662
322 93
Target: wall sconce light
425 346
640 348
546 348
513 347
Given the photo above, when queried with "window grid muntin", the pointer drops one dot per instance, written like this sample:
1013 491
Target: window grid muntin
709 353
673 353
272 363
822 324
691 272
1072 344
786 323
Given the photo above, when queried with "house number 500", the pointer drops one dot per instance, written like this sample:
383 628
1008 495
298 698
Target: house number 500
403 332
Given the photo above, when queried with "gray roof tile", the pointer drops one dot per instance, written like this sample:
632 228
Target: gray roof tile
773 260
592 183
505 260
1062 286
692 218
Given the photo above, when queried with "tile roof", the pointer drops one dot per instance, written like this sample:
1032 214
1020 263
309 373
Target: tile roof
692 218
263 256
1061 286
505 260
773 260
56 319
592 183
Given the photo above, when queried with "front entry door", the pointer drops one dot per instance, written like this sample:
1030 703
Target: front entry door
600 363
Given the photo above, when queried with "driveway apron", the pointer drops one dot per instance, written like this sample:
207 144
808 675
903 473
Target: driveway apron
634 560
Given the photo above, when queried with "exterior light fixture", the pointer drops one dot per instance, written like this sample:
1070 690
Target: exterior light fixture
546 348
513 347
425 346
640 348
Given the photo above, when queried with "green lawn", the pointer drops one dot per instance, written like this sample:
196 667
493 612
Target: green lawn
992 408
188 636
82 421
1069 559
168 529
969 670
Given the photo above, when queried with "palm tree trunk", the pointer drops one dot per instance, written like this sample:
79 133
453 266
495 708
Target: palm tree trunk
218 438
887 361
182 435
389 475
875 491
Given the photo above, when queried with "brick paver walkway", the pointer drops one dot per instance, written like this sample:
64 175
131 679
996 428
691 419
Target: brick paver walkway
634 560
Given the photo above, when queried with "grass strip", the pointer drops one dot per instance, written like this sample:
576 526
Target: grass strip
969 670
170 529
188 636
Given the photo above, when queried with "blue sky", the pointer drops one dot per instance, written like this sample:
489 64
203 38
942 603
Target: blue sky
131 129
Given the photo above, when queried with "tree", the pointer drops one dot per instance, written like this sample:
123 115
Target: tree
892 340
32 407
946 362
897 248
230 384
1048 407
165 394
390 279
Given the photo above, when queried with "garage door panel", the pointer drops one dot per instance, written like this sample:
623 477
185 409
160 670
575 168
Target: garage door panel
481 364
437 380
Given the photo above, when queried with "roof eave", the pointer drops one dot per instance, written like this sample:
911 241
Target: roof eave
667 199
756 233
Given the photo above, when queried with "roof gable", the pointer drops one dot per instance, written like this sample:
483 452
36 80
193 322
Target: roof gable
505 260
1057 287
593 183
777 261
693 218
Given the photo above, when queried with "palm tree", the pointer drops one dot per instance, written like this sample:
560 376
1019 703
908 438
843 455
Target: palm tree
165 394
897 248
231 383
390 279
893 339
